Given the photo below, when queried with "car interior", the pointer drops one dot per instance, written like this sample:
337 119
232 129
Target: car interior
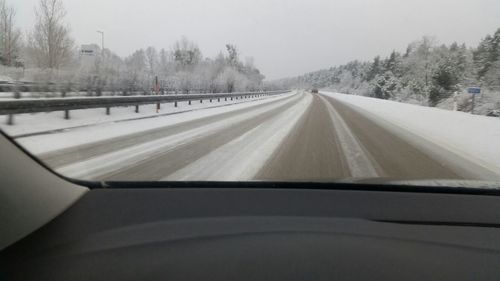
54 228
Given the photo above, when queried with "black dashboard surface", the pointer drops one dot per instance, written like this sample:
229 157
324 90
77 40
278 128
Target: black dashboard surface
264 234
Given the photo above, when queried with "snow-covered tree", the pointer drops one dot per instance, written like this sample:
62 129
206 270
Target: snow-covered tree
136 76
186 54
49 42
10 36
385 85
487 54
233 58
152 60
227 79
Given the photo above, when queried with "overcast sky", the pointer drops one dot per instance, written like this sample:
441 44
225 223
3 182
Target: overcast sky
286 37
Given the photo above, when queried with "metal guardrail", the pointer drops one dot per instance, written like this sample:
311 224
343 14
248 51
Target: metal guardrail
20 106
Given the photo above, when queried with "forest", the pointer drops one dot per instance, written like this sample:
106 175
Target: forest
426 73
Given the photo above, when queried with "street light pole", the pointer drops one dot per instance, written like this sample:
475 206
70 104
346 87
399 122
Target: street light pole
102 62
102 42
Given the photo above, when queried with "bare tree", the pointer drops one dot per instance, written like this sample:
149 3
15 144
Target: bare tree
152 60
50 41
136 67
166 63
9 35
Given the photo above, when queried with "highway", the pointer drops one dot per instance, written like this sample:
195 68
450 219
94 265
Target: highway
301 137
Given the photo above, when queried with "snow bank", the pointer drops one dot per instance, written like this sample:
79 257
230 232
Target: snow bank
474 137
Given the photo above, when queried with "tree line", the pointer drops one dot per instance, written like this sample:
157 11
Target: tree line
48 53
426 73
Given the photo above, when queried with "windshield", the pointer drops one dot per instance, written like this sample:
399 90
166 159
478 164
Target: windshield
309 91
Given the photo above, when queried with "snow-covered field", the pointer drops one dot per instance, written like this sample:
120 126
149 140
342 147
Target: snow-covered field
474 137
94 125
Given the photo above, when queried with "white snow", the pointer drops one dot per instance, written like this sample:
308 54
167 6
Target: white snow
109 129
6 78
474 137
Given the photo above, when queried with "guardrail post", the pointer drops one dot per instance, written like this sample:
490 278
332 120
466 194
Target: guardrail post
189 102
66 114
175 103
137 109
108 111
10 119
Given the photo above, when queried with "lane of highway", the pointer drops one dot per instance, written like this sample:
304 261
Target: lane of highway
304 137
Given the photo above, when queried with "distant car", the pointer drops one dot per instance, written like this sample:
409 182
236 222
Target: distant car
314 91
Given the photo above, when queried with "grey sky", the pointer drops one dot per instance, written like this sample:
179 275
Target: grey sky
286 38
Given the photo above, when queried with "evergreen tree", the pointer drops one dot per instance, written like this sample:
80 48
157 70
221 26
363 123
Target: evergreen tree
444 81
375 69
487 54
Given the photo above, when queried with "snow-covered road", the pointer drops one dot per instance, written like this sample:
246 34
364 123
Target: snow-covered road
298 136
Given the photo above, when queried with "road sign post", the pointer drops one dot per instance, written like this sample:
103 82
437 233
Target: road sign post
473 91
157 91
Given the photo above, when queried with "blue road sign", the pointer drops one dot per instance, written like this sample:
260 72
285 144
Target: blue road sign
474 90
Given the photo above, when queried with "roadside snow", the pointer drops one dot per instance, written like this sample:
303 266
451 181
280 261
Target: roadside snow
474 137
107 129
4 78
